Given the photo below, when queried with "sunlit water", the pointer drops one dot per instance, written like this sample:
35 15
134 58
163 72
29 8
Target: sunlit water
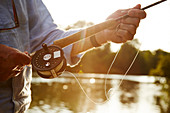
136 94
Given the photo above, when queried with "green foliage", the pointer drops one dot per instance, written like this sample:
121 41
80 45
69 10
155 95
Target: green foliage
124 58
163 67
147 61
99 60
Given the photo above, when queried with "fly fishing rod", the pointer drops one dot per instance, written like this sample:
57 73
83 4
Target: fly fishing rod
94 29
49 62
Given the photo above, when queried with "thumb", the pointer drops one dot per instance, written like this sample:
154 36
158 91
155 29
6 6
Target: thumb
24 59
20 58
137 12
138 6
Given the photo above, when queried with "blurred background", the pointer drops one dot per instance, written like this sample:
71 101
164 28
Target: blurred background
145 89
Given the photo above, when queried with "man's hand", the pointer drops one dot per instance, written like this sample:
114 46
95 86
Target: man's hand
11 62
126 27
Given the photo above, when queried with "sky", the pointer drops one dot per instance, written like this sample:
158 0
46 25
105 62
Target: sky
153 32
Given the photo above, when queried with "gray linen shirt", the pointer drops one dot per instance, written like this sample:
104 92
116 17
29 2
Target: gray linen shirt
36 27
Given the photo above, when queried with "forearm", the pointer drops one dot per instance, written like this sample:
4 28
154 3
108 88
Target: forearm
118 31
86 44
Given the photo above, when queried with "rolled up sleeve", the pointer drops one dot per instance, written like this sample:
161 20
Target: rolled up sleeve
43 30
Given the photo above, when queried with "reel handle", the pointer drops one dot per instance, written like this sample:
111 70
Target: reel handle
50 62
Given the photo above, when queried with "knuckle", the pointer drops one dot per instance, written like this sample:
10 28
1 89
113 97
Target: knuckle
133 29
136 22
126 33
131 13
142 14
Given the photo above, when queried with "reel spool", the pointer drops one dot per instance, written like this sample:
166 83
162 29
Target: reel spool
49 62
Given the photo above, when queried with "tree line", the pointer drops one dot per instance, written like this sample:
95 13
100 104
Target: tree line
147 63
99 60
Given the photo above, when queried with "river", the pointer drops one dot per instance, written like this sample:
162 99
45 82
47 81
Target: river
102 94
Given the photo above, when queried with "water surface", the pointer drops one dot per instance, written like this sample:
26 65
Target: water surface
136 94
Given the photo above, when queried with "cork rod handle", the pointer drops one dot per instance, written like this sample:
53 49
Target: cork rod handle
94 29
84 33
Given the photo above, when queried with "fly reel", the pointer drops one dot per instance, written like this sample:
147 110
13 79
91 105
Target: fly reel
49 62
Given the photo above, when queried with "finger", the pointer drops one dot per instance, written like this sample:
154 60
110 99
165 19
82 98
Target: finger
23 59
129 27
132 21
18 68
118 13
125 11
9 72
138 6
19 58
5 75
141 14
119 39
124 34
14 74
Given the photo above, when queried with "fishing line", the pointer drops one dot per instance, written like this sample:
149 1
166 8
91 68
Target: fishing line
85 91
109 72
106 93
107 99
51 72
105 85
42 59
121 80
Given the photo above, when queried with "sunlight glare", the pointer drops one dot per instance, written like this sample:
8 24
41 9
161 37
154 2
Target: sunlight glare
92 80
153 32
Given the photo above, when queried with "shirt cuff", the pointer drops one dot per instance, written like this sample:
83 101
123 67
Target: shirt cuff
71 61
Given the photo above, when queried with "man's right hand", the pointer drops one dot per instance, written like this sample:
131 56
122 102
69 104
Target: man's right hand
11 59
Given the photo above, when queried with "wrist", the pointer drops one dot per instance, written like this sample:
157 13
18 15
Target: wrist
94 42
100 38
